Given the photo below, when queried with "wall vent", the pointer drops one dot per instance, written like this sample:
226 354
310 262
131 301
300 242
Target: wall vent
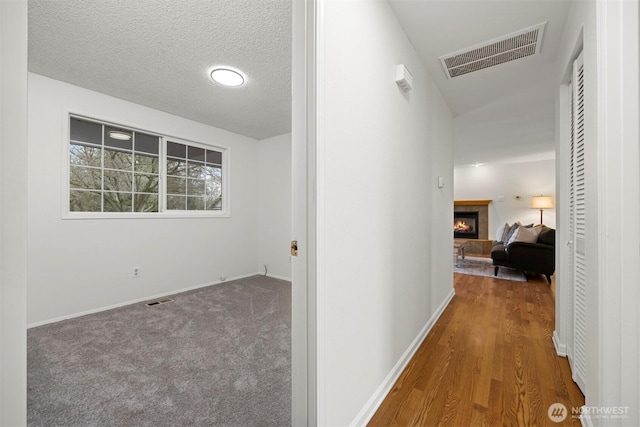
497 51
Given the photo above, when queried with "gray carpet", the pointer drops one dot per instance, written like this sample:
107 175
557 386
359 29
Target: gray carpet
477 266
217 356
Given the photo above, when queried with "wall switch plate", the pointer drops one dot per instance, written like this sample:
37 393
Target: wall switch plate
440 182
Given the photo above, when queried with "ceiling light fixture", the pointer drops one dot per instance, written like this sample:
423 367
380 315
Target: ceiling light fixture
227 77
117 134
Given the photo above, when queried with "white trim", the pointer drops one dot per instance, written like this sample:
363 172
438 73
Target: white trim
372 405
585 420
275 276
225 212
561 348
304 375
136 301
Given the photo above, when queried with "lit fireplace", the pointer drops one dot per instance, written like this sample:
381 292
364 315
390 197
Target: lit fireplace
465 225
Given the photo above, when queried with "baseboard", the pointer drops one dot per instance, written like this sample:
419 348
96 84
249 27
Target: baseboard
275 276
561 349
135 301
370 408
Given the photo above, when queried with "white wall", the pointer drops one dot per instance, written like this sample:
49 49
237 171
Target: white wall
275 205
81 265
508 180
13 210
380 213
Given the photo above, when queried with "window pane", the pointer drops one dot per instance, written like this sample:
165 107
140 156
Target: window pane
117 202
195 203
89 178
214 203
196 153
146 183
145 203
117 180
176 202
176 167
176 185
214 157
126 144
147 164
176 150
84 201
84 131
195 187
213 181
195 170
84 155
117 160
147 143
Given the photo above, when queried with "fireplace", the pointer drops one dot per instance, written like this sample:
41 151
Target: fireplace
465 225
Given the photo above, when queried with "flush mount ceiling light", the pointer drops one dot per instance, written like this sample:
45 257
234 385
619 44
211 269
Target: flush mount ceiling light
227 77
117 134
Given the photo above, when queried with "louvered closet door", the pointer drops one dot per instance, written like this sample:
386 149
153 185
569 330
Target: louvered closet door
577 228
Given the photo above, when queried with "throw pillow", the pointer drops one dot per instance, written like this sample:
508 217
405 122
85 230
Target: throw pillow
537 229
501 232
509 233
524 234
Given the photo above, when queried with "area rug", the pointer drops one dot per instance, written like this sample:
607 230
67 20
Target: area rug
476 266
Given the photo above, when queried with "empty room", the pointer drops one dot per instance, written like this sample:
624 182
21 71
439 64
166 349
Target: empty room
159 213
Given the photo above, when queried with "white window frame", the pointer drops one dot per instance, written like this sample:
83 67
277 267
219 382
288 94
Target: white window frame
224 212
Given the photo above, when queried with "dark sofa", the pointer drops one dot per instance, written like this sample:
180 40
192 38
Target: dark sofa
539 257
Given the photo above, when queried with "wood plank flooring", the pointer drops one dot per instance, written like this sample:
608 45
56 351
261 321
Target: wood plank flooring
488 361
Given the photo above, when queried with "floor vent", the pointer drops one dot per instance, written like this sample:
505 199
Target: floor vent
160 301
497 51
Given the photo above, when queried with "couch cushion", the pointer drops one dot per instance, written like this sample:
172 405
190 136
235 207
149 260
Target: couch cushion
512 230
524 234
501 232
547 236
498 252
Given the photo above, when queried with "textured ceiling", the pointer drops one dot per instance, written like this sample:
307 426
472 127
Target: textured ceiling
158 53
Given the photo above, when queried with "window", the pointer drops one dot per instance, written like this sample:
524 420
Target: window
116 169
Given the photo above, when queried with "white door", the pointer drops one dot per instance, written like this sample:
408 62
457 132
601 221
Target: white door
576 350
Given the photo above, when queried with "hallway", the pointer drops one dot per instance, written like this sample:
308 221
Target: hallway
489 360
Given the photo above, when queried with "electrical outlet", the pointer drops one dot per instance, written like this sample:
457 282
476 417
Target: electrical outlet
223 277
136 272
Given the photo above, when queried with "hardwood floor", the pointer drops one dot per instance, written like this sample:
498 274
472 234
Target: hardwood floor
488 361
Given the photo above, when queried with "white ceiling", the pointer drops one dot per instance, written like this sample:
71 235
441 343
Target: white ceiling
158 53
504 113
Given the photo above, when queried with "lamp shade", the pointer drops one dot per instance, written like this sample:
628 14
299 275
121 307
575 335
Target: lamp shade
541 202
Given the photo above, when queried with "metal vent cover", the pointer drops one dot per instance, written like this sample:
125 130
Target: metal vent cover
497 51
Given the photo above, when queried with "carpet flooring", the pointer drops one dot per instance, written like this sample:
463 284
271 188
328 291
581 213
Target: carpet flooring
217 356
477 266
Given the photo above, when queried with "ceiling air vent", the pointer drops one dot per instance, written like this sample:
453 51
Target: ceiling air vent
494 52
